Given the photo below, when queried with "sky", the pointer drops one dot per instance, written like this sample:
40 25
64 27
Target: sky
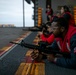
11 12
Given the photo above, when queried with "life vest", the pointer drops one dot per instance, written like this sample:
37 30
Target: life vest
48 39
49 12
65 45
42 37
71 20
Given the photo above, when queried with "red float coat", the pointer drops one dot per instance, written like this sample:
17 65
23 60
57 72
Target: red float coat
48 39
64 45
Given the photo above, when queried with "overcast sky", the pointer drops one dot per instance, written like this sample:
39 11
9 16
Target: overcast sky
11 12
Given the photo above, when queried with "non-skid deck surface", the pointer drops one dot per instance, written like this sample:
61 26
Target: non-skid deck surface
10 63
30 66
14 63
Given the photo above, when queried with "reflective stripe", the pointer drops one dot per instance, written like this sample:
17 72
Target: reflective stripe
68 47
59 44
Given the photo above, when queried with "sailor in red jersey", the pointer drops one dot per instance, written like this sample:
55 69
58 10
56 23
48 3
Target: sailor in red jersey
49 11
44 36
47 35
66 14
49 38
65 41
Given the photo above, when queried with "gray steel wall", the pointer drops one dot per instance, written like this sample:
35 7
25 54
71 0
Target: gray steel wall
42 3
56 3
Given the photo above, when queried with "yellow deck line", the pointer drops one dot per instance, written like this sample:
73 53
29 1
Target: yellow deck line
6 48
31 68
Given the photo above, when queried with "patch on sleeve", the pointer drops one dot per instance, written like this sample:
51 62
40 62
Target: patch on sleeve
75 50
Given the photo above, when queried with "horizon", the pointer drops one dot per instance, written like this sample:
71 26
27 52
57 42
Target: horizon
11 12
